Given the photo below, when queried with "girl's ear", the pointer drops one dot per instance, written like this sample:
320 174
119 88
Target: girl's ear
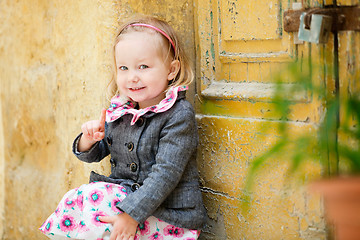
174 69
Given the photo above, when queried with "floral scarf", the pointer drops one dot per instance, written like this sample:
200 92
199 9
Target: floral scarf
119 106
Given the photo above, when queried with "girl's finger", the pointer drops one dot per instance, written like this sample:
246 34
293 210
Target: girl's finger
102 119
98 136
106 219
85 130
95 128
113 237
119 237
103 219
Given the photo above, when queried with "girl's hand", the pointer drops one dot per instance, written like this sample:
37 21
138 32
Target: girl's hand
93 131
124 226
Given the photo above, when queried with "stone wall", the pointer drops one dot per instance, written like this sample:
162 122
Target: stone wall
55 64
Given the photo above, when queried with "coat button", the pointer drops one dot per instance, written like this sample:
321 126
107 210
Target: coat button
140 122
133 167
135 187
109 140
130 146
112 162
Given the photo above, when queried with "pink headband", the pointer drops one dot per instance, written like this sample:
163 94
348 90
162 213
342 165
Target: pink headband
156 29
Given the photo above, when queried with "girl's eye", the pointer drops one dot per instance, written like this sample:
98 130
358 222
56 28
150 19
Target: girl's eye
143 66
123 68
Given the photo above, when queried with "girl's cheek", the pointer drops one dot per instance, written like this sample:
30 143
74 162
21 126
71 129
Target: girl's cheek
120 77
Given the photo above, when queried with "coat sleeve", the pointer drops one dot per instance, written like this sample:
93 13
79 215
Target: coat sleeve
178 143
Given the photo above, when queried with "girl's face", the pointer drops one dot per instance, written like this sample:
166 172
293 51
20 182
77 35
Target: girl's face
143 72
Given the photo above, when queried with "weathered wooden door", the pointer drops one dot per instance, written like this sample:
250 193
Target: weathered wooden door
240 44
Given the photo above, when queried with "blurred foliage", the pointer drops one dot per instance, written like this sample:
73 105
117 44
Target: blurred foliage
292 83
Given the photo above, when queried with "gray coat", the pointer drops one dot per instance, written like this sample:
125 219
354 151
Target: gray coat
155 159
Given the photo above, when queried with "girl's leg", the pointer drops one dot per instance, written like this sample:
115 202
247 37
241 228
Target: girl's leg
76 216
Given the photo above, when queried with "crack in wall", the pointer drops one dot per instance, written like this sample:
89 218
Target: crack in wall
222 194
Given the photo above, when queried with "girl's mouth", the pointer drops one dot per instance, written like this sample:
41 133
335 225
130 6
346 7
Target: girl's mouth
136 88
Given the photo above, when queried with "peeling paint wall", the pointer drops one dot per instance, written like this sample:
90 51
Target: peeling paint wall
279 209
240 46
55 65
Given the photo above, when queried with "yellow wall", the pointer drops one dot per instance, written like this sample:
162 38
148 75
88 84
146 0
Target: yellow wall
55 64
241 46
2 175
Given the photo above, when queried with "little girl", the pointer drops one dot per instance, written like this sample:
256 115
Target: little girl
150 132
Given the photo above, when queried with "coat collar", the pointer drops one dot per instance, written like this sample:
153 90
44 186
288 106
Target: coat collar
120 106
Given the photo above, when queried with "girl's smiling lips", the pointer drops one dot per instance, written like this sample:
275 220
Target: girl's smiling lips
136 88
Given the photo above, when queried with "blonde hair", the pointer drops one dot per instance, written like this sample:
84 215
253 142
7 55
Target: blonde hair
185 75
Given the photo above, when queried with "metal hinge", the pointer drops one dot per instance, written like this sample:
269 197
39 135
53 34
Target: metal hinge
344 18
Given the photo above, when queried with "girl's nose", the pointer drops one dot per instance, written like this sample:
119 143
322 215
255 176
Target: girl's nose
133 77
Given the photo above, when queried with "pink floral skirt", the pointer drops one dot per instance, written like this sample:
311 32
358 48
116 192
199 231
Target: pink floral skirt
76 216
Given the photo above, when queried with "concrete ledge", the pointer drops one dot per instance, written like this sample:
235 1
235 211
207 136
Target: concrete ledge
249 91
